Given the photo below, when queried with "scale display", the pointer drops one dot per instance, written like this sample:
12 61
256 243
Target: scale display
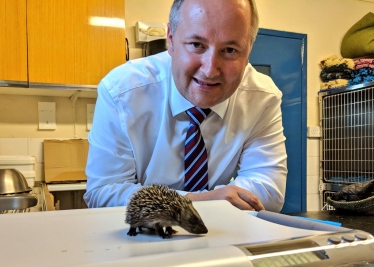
290 260
286 254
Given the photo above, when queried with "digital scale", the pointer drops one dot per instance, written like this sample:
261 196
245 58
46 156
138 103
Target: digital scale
352 248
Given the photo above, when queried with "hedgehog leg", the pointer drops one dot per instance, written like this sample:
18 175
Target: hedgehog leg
170 231
132 231
160 231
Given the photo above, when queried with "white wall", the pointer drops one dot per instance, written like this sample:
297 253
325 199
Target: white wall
19 117
19 133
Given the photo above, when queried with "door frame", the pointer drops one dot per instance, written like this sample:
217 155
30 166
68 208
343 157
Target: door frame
303 66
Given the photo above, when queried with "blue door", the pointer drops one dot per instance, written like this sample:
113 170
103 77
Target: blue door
282 56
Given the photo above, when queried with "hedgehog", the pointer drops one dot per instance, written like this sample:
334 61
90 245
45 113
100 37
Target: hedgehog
157 206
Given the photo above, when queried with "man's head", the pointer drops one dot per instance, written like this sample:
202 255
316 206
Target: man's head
175 17
209 42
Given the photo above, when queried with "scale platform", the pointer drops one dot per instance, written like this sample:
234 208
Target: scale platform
98 237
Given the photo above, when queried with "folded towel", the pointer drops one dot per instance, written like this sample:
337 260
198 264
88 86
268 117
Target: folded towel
328 76
363 75
334 84
338 68
364 63
359 39
336 60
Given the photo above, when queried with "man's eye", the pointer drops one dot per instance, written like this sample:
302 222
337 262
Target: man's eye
196 45
230 50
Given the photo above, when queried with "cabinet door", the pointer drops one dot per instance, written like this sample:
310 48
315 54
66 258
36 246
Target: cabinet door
13 49
74 42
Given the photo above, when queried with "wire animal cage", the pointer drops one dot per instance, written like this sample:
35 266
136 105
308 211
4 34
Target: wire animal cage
347 143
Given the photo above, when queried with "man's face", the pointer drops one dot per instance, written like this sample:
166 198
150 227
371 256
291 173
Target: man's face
210 49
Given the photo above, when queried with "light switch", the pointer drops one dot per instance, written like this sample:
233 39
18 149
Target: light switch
90 114
47 115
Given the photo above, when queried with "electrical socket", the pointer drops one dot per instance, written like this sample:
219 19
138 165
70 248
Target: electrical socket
314 131
47 115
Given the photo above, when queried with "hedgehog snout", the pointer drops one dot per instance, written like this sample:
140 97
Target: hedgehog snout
191 221
199 229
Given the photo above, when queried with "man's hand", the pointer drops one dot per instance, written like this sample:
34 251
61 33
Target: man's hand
237 196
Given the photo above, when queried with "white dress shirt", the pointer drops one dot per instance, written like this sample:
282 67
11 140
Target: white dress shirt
139 129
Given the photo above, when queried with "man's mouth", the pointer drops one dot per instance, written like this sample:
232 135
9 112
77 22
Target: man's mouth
205 83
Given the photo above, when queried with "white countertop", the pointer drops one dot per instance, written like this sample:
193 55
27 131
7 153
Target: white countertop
99 236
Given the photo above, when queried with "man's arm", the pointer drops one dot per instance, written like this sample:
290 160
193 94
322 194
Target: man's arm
110 165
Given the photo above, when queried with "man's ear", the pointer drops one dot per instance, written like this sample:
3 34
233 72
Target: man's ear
169 37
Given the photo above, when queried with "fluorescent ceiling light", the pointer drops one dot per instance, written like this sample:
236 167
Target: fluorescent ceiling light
107 22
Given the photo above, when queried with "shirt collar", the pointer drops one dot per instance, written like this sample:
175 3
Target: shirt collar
179 104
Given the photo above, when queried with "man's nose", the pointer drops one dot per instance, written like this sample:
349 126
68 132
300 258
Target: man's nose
210 64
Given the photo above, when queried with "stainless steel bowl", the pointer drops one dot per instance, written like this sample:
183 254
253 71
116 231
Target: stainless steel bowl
12 182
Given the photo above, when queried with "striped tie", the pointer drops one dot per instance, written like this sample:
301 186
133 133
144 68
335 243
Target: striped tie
196 157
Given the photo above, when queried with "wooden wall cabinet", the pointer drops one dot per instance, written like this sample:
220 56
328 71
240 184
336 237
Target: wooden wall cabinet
63 43
13 44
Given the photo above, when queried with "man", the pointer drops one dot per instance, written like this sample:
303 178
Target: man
142 116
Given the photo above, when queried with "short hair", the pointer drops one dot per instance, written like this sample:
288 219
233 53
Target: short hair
175 17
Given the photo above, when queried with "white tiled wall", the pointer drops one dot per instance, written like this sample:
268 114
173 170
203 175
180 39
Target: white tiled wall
312 172
25 147
13 146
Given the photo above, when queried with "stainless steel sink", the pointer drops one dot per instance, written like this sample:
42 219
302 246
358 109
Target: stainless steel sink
17 202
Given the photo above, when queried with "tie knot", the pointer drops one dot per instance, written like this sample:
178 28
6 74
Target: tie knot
197 115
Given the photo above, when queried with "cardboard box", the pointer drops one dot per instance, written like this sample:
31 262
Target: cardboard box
65 160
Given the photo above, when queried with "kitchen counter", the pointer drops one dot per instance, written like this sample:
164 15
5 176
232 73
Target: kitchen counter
347 219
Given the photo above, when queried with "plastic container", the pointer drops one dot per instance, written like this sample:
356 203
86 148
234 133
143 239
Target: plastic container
24 164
